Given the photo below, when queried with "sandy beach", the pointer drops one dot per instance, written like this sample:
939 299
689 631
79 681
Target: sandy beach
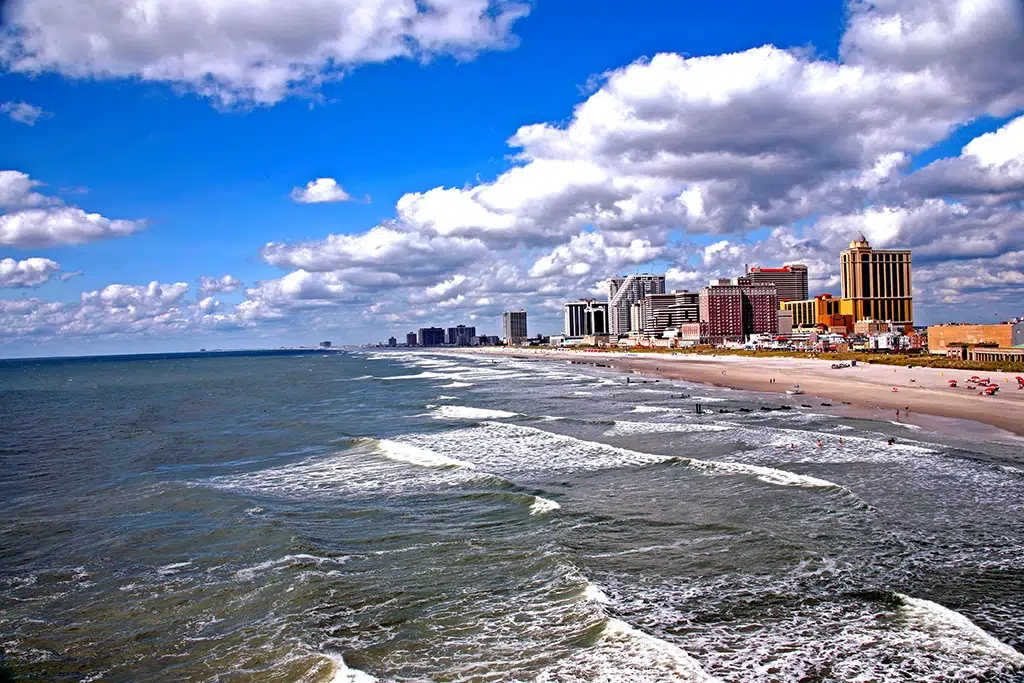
865 388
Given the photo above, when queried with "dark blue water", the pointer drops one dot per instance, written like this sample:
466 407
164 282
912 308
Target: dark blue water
417 517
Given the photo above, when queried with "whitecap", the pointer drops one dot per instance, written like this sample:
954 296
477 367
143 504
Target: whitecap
768 475
469 413
456 385
543 505
249 573
345 674
627 428
956 633
414 455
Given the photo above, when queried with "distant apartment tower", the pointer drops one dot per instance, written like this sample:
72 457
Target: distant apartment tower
513 327
731 310
878 283
721 312
760 307
460 335
430 336
410 339
623 292
656 313
392 342
790 280
584 318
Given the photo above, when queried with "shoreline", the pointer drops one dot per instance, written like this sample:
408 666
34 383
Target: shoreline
866 389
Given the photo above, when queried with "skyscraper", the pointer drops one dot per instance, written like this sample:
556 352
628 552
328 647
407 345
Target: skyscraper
460 335
513 327
585 317
410 339
878 283
659 312
790 280
623 292
731 310
430 336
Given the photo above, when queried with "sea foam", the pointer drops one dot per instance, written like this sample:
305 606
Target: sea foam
543 505
414 455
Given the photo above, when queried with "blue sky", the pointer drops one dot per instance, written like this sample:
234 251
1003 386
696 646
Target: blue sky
211 172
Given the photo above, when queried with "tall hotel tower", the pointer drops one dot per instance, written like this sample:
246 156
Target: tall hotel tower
623 292
878 283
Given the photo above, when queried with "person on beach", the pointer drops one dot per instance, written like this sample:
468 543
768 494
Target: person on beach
897 414
840 441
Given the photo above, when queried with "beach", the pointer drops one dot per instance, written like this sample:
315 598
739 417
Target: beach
865 387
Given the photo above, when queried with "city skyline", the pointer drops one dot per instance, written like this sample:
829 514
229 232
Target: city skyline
422 173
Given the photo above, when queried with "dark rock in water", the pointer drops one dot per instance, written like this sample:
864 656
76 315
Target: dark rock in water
744 410
723 410
827 405
785 407
766 408
805 405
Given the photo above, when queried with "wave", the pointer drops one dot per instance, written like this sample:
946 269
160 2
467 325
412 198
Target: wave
469 413
344 674
543 505
296 560
654 409
403 452
625 653
420 375
456 385
354 379
627 428
769 475
955 632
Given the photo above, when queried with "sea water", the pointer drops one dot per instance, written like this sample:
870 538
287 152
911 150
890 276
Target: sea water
427 517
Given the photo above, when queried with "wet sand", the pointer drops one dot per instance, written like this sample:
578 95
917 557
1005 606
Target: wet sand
865 388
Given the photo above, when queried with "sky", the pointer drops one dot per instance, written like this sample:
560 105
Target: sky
242 173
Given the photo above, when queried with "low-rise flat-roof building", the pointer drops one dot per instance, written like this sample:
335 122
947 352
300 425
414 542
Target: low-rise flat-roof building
1006 335
823 311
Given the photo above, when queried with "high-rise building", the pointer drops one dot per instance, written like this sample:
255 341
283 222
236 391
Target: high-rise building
731 310
430 336
878 283
460 335
410 339
656 313
721 312
513 327
790 280
585 317
760 307
623 292
392 342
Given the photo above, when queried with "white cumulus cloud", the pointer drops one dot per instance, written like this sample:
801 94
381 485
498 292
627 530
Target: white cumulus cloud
29 272
244 50
33 220
319 191
215 285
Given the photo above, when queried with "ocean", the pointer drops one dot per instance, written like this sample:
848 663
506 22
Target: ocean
390 516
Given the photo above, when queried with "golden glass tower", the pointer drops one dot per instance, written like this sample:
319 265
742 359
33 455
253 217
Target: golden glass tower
878 283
